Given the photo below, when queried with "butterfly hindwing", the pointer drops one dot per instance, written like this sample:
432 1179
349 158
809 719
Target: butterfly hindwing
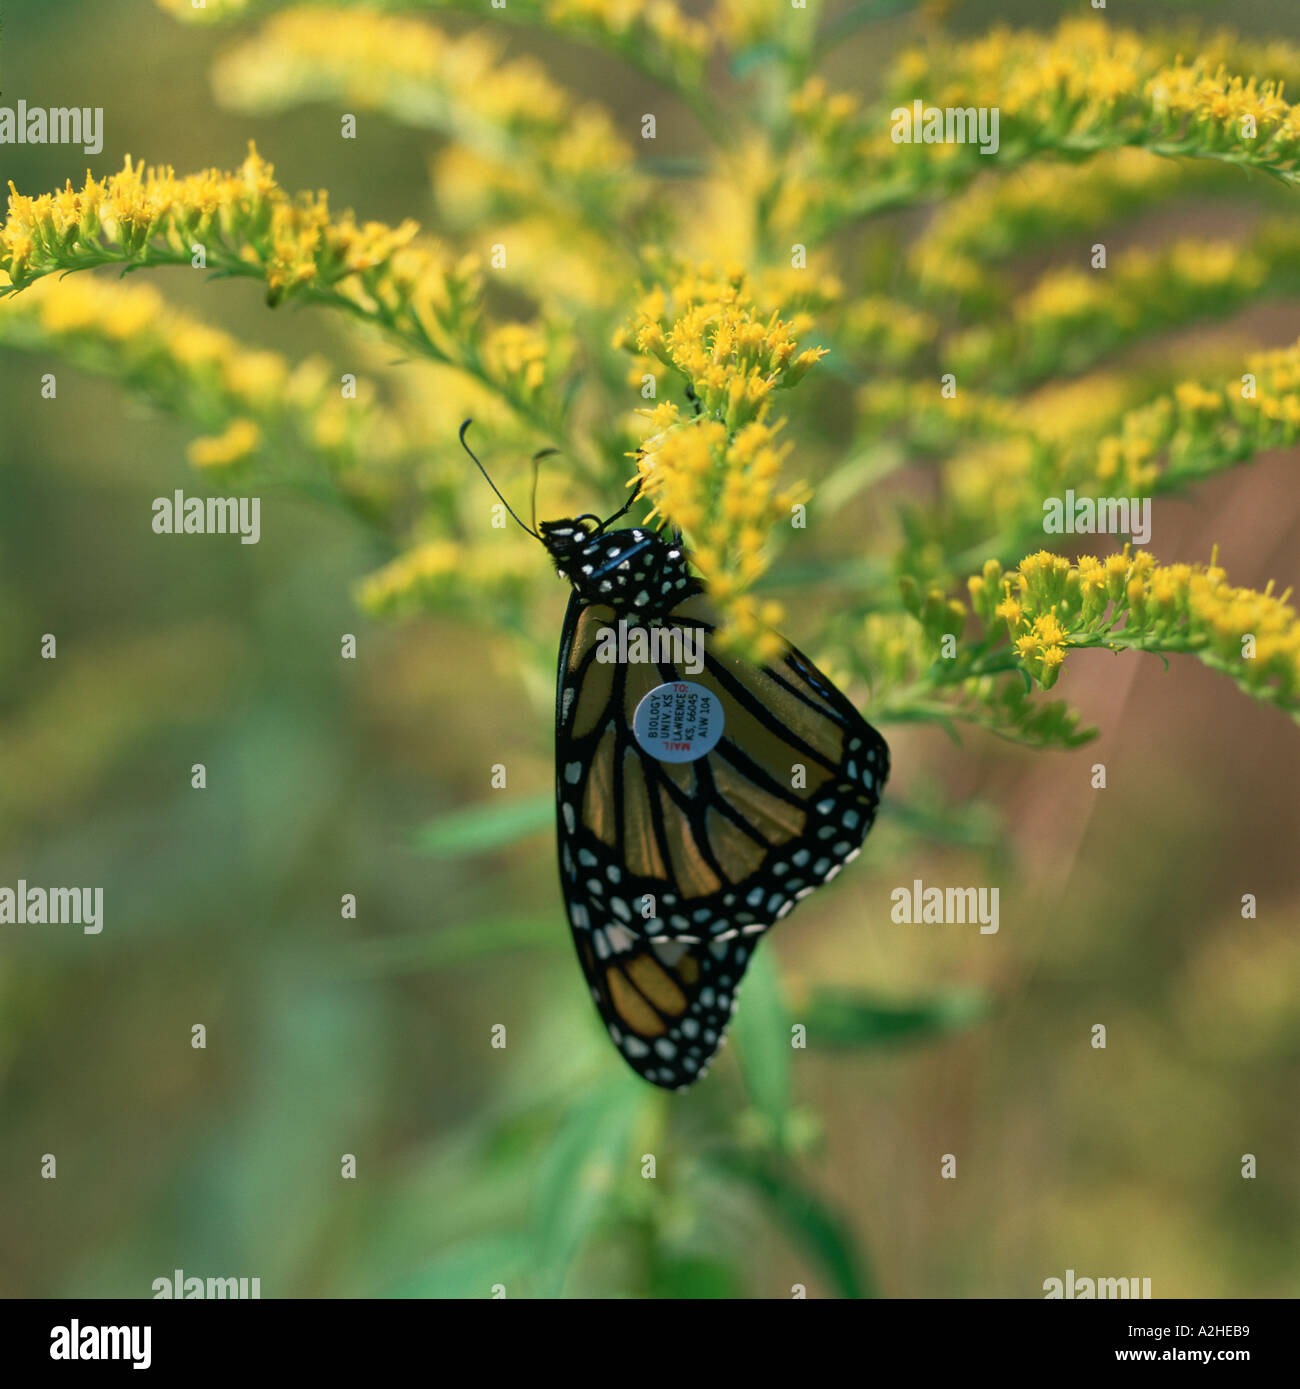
671 871
666 1004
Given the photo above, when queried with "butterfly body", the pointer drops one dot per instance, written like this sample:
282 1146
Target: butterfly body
637 572
677 853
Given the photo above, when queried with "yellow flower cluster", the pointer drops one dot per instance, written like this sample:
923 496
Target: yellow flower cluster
198 372
1224 107
1196 429
1072 317
721 488
1002 458
243 223
452 574
518 352
933 425
896 654
1131 601
1086 66
741 23
634 21
1087 88
995 218
716 474
707 328
240 440
889 330
655 34
1033 605
509 111
293 243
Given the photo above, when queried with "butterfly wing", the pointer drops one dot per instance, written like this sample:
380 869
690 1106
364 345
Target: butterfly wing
666 1004
672 870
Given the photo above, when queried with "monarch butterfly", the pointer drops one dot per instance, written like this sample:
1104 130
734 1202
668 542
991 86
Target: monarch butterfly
696 802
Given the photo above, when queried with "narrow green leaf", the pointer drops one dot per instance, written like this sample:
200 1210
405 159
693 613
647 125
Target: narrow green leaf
489 825
809 1220
581 1174
695 1278
974 825
761 1036
860 472
755 56
470 1270
838 1018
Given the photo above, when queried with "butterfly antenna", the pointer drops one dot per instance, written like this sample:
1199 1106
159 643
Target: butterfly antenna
531 531
537 472
625 508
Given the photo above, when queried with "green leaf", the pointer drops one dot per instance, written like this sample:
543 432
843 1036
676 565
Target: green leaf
755 56
470 1270
695 1278
581 1174
973 825
860 472
812 1223
489 825
761 1037
838 1018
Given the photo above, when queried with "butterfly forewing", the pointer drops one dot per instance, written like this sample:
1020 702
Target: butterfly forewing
671 870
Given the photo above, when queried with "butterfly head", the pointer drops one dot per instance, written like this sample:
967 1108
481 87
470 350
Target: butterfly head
636 572
564 538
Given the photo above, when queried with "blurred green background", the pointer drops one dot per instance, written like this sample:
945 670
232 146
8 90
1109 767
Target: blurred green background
522 1166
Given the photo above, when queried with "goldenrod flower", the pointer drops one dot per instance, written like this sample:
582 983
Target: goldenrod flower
716 475
245 224
239 441
992 220
653 35
709 330
460 577
546 199
508 111
263 404
241 219
1072 317
1132 602
1086 88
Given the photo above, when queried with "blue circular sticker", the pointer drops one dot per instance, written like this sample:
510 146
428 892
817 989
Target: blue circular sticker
678 722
